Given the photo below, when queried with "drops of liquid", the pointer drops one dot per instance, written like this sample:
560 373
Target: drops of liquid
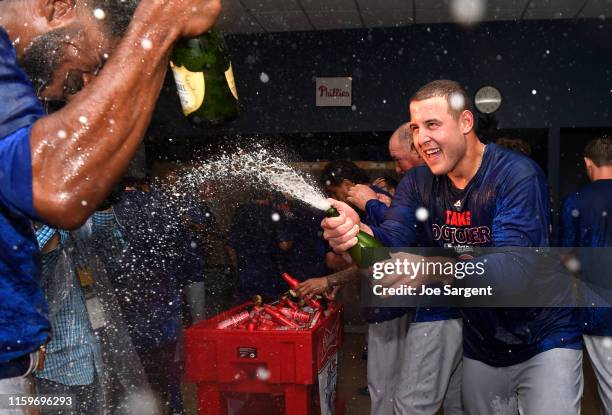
258 166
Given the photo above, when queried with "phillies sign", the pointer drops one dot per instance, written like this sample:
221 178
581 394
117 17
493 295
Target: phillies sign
333 92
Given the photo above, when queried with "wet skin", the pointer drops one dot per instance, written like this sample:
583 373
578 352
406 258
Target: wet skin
80 151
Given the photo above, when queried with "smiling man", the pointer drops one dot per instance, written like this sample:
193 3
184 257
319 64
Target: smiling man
57 168
520 359
402 150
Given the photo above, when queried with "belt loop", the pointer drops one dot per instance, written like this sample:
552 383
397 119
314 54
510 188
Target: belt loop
42 354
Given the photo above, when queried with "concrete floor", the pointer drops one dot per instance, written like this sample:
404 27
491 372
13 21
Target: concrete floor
352 375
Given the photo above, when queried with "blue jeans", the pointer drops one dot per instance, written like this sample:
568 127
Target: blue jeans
85 397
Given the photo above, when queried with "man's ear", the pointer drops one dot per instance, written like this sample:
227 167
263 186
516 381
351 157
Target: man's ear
466 120
57 11
591 168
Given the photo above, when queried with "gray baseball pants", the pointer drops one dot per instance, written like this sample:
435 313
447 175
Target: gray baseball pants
549 383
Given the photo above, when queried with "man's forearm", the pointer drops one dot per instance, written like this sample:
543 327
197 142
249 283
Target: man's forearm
343 277
82 149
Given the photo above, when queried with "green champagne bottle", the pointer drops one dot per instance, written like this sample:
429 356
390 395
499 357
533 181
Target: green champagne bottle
205 80
364 241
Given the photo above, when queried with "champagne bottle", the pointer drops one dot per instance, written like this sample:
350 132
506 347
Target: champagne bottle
364 241
292 282
205 80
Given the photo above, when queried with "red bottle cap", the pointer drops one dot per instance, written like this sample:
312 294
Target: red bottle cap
290 280
294 283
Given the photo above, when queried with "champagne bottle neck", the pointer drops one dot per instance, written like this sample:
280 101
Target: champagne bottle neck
332 212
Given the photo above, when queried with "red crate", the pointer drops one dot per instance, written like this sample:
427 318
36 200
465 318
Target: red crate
281 362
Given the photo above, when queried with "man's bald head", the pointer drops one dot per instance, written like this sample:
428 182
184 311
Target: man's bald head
402 151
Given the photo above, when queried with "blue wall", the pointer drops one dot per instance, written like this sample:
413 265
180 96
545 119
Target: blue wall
568 63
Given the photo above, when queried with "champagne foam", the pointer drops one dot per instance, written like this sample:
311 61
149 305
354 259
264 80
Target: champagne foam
258 166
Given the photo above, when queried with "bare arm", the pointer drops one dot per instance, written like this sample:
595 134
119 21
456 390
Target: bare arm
79 152
328 284
336 262
344 277
360 194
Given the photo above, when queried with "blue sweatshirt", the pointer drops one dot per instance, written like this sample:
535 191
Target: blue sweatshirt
504 205
23 311
586 221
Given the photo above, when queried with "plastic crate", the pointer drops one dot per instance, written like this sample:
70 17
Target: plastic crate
276 362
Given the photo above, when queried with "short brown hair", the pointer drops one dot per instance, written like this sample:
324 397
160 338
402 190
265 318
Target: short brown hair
447 89
515 144
335 172
599 150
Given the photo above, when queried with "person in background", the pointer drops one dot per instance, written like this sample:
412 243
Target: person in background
304 255
59 50
586 222
386 338
341 178
516 144
220 287
72 360
403 153
158 259
387 327
254 244
372 201
402 150
386 183
200 221
524 360
405 157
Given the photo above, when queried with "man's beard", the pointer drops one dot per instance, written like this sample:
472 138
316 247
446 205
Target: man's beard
42 57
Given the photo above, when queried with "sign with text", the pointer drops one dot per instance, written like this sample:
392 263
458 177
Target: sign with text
334 92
